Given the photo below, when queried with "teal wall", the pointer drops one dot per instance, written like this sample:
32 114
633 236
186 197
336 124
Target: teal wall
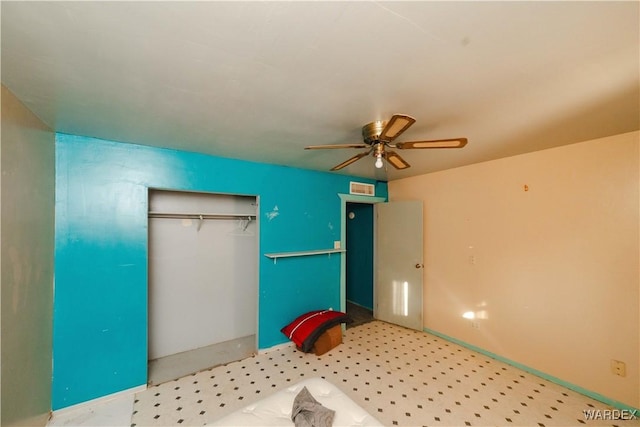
359 269
100 300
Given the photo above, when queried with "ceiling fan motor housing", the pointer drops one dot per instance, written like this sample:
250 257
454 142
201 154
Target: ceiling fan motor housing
371 132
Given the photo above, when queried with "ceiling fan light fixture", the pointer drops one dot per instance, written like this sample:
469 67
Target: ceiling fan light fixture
379 163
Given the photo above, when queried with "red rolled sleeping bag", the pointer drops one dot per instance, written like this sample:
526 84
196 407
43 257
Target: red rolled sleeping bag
305 329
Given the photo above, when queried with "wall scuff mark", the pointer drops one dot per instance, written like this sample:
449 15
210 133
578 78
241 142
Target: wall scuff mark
274 213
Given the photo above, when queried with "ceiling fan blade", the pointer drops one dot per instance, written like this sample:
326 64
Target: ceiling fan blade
395 160
351 160
322 147
398 124
440 143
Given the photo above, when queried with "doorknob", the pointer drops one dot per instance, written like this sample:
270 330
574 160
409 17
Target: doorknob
419 265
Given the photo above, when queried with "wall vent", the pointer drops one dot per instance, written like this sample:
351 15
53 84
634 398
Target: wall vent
362 189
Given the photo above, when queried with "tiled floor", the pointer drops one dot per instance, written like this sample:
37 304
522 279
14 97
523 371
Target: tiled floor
402 377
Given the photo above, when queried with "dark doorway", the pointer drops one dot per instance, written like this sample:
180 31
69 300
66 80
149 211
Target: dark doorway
359 265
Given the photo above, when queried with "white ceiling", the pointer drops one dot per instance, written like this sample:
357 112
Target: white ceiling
261 80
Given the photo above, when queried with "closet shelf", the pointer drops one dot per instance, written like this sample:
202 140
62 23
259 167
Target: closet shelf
275 256
184 215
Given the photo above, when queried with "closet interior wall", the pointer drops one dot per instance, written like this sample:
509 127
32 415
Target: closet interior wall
203 277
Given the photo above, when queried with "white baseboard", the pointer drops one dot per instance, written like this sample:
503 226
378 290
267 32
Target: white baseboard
276 347
98 401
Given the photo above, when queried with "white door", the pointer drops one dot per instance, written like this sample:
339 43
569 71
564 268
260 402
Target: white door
399 264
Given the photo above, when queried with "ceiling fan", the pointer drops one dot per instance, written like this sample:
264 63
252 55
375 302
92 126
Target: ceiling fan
379 136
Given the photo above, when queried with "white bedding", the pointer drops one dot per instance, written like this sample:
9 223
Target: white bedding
275 410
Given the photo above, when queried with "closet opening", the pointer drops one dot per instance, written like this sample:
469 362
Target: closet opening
203 281
359 262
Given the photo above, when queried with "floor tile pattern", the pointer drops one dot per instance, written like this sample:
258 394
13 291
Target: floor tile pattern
402 377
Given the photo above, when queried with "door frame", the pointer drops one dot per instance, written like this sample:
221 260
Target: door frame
344 199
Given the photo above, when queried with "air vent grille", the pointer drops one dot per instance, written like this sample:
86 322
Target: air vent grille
362 189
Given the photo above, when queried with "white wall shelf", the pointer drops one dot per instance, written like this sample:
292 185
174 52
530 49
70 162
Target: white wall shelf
275 256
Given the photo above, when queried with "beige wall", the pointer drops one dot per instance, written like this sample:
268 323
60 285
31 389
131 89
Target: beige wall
552 273
27 189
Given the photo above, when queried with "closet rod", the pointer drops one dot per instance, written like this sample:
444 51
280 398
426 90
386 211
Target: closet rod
199 216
